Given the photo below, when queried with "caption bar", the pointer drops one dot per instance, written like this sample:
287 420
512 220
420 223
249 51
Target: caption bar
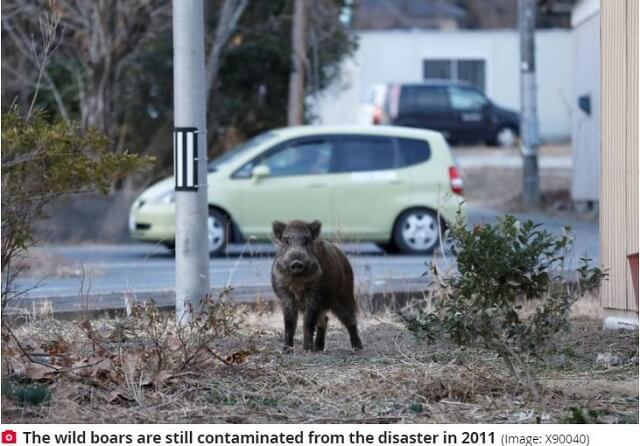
259 435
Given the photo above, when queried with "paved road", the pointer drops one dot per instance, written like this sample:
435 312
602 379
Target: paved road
142 268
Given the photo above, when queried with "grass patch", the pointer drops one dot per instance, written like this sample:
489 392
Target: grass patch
394 379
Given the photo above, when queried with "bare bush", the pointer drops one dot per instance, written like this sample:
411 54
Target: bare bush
125 358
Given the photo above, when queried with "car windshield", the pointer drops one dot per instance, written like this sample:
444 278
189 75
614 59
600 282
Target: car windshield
238 151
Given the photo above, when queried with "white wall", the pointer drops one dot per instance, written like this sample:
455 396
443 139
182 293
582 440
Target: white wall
586 81
397 56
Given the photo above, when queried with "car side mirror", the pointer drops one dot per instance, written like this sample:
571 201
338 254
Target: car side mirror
260 171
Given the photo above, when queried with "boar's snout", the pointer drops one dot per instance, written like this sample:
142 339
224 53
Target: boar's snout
296 267
297 262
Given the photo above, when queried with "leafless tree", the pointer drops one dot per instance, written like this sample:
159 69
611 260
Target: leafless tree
95 38
36 51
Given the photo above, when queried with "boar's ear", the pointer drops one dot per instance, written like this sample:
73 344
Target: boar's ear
315 226
278 228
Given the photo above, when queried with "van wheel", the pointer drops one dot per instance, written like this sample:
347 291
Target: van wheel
505 137
417 232
217 232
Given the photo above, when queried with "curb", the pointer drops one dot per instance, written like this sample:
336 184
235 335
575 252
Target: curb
373 297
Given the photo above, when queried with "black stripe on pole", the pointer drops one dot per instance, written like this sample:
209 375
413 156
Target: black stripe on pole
183 134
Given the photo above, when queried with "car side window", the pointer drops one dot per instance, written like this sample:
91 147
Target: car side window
296 158
413 151
364 153
466 99
418 98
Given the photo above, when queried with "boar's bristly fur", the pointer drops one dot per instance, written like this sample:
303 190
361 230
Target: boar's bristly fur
312 276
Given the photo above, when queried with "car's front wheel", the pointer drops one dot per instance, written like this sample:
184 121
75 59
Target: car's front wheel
417 231
217 232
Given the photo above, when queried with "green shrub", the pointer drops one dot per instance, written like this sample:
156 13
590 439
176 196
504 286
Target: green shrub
33 394
45 161
499 267
580 415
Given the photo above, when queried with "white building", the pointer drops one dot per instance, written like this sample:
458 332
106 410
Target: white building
488 59
585 135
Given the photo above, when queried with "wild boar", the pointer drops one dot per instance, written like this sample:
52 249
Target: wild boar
312 276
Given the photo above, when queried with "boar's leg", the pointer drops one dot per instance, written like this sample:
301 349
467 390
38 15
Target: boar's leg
348 319
321 331
310 321
290 321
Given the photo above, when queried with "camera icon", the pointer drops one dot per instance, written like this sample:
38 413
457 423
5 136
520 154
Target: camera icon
8 437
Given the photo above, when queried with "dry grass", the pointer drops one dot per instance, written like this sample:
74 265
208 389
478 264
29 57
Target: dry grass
586 308
395 379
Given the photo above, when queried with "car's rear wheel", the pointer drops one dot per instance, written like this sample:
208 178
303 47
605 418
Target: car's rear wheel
417 231
217 232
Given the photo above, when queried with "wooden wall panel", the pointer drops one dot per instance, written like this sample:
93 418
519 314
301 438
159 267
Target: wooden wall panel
632 138
619 148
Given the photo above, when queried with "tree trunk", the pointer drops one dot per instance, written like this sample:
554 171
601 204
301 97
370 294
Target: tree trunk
98 100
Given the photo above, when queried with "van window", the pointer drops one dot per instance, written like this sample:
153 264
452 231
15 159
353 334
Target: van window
413 151
364 153
466 99
417 98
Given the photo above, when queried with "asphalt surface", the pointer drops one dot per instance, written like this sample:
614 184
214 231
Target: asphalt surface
142 269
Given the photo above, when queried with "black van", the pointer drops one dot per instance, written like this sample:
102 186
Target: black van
460 112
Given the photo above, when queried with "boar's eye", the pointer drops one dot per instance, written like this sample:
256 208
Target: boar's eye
306 241
286 240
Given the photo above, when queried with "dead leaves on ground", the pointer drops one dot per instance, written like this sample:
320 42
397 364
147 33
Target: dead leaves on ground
56 348
239 357
102 366
122 363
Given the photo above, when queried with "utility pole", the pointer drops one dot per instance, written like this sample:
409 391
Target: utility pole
298 56
528 108
190 157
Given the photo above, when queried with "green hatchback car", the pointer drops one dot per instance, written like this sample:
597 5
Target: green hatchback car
395 186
